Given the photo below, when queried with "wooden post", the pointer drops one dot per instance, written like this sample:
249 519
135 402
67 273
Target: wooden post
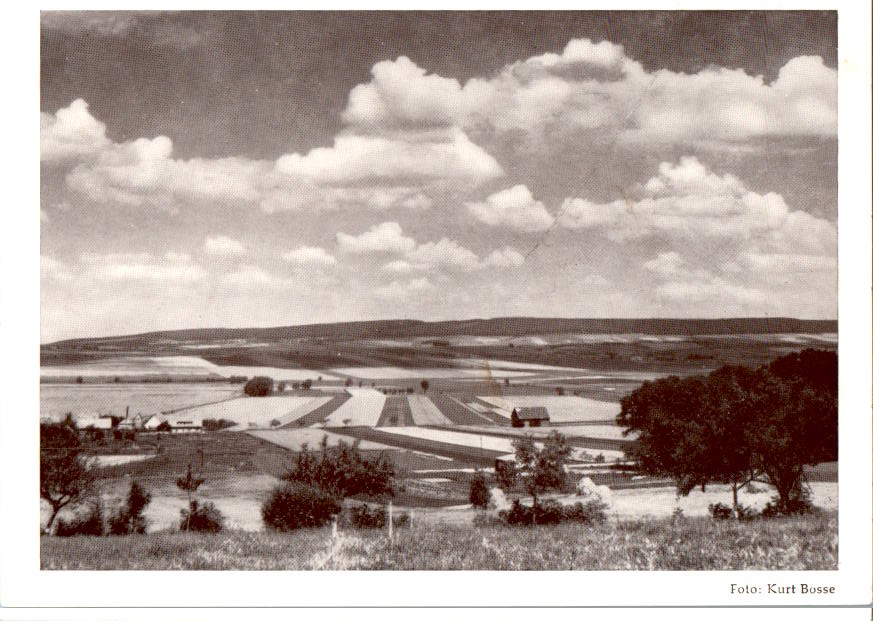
391 521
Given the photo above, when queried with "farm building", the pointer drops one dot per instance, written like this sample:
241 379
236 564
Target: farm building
93 421
530 417
150 423
187 425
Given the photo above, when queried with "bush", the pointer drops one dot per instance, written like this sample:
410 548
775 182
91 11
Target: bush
217 424
799 505
363 516
90 523
479 491
551 512
720 511
298 506
259 386
205 518
129 518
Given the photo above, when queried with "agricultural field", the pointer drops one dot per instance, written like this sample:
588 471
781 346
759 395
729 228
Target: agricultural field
294 439
561 409
363 409
259 411
55 400
424 412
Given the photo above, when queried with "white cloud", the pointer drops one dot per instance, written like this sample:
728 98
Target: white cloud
444 253
172 268
403 291
52 269
398 266
223 246
310 256
514 208
595 87
687 201
411 156
665 264
254 278
384 237
507 257
70 133
43 216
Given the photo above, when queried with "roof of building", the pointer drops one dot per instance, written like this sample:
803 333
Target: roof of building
532 413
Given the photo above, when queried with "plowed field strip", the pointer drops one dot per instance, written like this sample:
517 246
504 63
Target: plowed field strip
318 415
398 409
456 412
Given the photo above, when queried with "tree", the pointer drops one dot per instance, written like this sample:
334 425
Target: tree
425 385
129 518
736 425
479 490
542 469
259 386
64 473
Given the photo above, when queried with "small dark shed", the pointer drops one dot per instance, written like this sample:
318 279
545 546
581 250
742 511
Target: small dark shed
530 417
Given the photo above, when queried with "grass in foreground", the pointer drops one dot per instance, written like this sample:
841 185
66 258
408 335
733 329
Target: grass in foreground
807 542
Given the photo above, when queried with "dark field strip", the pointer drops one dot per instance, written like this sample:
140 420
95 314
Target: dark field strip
581 442
320 413
398 408
455 412
465 454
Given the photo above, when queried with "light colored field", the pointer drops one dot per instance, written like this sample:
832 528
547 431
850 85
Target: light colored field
517 366
104 461
602 432
137 366
561 409
259 411
661 502
374 373
294 439
278 374
55 400
363 409
424 412
487 442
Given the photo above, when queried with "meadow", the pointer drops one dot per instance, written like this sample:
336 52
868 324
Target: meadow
797 543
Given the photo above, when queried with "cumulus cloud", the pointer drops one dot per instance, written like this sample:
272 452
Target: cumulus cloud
254 278
314 256
513 208
384 237
595 87
221 245
403 291
171 268
686 200
70 133
52 269
507 257
421 156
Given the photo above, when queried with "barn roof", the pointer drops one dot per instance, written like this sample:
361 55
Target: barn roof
532 413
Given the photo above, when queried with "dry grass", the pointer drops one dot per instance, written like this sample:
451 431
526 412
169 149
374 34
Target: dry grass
800 543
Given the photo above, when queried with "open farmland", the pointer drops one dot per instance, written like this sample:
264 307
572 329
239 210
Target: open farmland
55 400
295 439
424 412
561 409
259 411
363 409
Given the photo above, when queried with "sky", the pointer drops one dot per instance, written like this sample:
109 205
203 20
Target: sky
264 169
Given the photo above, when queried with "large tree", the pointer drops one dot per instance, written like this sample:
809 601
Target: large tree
542 468
737 425
64 473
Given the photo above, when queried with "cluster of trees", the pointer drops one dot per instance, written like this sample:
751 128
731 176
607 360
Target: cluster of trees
68 477
262 386
738 425
316 484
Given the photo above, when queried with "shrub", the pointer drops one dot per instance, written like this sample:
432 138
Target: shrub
551 512
720 511
363 516
259 386
799 505
205 518
89 523
217 424
479 491
298 506
129 518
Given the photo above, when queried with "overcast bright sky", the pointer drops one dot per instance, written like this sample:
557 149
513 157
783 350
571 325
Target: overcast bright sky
209 170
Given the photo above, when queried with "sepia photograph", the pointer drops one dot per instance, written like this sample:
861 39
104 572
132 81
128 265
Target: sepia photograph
438 291
389 312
